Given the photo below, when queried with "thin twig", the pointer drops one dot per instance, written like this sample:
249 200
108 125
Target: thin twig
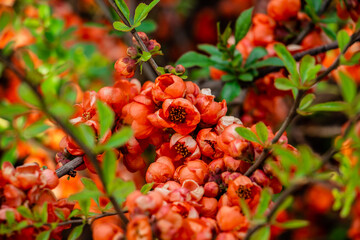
69 166
136 36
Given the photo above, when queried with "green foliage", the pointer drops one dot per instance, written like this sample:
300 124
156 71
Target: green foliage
27 94
343 39
106 117
261 234
293 224
146 188
248 134
230 91
76 232
192 59
45 235
109 169
35 129
262 132
328 107
122 189
123 8
243 24
348 87
119 138
288 61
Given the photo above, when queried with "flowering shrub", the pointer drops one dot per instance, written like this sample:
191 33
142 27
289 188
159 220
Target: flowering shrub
174 156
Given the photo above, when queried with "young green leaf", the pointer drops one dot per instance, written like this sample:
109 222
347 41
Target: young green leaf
10 217
89 184
147 26
145 56
109 168
284 84
261 234
86 135
43 235
255 54
119 138
35 129
146 188
287 59
123 8
343 39
292 224
12 110
264 201
243 24
142 10
27 94
306 64
248 134
192 59
25 212
271 61
328 107
76 232
262 131
246 77
122 27
122 189
306 101
210 49
348 87
106 117
230 91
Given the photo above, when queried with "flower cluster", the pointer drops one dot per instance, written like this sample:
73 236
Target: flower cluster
27 198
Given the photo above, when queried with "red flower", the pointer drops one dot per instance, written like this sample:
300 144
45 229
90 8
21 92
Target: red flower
86 110
210 110
263 29
192 91
139 228
282 10
160 171
116 98
136 112
181 148
230 218
125 67
179 114
168 86
206 140
195 170
226 121
243 188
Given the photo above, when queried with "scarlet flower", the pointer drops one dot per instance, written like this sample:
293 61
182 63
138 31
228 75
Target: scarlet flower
206 140
86 110
216 166
115 97
226 121
226 236
210 110
180 148
209 207
211 189
14 197
194 229
263 29
192 170
230 219
139 228
160 171
283 10
168 86
179 114
136 112
235 145
192 90
216 74
131 88
150 202
168 222
125 67
243 188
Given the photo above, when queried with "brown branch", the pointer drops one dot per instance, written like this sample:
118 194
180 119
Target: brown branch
136 36
69 167
67 130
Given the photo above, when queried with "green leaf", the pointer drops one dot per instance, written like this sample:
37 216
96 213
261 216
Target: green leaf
245 208
76 232
9 155
243 24
329 32
44 213
27 59
5 18
307 62
287 203
284 84
44 11
44 235
109 169
145 56
147 26
89 184
122 189
262 131
228 77
210 49
123 8
146 188
246 77
343 39
12 110
230 91
192 59
261 234
122 27
292 224
306 101
256 54
348 87
119 138
248 134
10 217
106 117
85 134
27 94
328 107
35 129
142 10
263 205
287 59
272 61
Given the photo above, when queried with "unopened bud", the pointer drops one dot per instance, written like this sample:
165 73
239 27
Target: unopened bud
180 69
143 38
132 52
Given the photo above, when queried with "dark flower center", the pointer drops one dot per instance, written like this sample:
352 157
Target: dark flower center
211 143
243 192
182 150
177 114
86 115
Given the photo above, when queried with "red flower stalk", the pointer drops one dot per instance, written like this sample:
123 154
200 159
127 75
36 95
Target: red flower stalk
178 114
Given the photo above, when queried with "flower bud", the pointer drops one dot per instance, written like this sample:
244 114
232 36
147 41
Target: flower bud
180 69
153 45
125 67
229 218
211 189
260 178
143 38
209 207
132 52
